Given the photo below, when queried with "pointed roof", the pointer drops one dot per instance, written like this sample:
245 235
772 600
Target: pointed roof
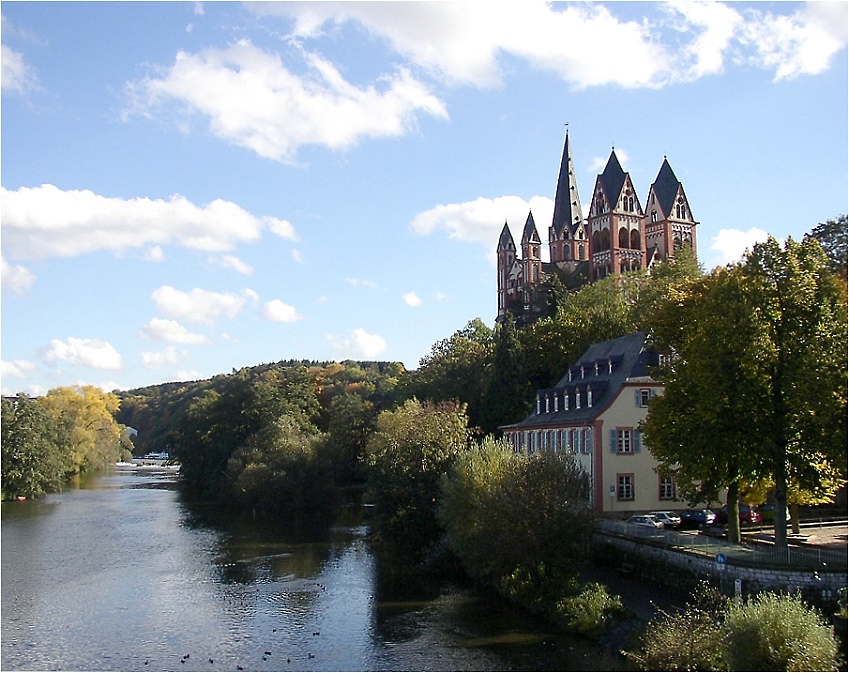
530 233
505 241
613 178
567 203
666 187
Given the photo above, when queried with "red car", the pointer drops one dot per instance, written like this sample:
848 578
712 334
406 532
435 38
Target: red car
749 514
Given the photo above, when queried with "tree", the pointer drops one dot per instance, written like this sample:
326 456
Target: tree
88 415
508 393
698 429
35 452
832 236
456 369
757 388
406 456
802 312
503 511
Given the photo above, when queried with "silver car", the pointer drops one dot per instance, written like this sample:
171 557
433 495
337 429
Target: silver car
668 518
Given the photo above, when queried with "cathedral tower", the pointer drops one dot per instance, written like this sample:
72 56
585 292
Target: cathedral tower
615 223
669 222
568 242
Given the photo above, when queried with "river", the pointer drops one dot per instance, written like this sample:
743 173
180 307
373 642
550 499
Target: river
121 574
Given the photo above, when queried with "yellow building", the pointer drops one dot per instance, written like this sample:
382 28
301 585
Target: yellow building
594 413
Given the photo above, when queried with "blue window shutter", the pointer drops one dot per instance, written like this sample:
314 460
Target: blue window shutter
613 441
636 397
589 443
637 437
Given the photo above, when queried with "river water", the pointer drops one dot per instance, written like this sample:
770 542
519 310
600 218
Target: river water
121 574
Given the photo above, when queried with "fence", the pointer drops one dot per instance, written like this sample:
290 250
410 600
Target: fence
752 552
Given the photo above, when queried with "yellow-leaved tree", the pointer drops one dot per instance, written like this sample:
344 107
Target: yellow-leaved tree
87 414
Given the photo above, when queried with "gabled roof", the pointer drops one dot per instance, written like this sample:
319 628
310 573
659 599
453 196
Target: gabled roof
666 187
567 203
505 241
612 179
607 366
530 233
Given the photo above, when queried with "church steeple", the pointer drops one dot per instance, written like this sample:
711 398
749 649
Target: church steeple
669 221
567 202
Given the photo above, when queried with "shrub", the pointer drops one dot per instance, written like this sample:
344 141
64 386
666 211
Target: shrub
776 632
589 611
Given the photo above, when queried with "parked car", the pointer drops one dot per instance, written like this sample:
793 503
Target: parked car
668 518
695 518
749 514
644 521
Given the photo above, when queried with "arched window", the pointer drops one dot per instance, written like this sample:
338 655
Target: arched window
623 237
597 241
581 253
605 239
635 239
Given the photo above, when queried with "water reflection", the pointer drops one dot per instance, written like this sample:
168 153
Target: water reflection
122 573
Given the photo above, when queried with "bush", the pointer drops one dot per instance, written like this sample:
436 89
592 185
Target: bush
589 611
775 632
771 632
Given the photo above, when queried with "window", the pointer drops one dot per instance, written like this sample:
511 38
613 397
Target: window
625 487
667 488
643 397
623 441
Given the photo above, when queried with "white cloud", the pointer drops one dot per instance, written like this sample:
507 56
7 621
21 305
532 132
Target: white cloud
803 43
154 254
732 244
85 352
18 368
159 359
412 299
16 76
252 100
198 305
358 344
283 228
234 263
481 220
464 43
297 256
277 311
46 221
361 281
159 329
15 277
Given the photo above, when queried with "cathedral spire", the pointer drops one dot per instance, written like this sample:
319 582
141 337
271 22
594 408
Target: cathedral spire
567 203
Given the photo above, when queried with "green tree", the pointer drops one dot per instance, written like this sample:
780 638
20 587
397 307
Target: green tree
406 456
508 393
802 312
503 511
832 236
698 429
35 451
757 388
456 369
281 470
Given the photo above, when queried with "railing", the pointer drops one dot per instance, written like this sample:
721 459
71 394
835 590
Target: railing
751 552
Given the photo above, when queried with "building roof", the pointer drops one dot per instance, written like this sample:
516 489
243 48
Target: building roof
666 187
613 179
530 233
567 203
506 239
606 366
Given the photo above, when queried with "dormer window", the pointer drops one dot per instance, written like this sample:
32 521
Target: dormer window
595 367
569 374
609 366
582 371
539 405
565 400
556 399
546 403
577 399
589 396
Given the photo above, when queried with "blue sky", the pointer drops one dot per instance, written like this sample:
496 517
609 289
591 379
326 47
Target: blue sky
189 188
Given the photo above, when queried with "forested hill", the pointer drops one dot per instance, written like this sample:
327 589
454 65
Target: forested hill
156 411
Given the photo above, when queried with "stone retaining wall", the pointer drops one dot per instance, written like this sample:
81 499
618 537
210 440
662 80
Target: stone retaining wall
665 566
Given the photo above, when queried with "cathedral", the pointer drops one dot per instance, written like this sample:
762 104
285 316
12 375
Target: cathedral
618 235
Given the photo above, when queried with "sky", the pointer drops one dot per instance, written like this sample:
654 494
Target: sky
192 188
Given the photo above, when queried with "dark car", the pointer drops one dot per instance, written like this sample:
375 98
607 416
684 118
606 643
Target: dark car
748 515
695 518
